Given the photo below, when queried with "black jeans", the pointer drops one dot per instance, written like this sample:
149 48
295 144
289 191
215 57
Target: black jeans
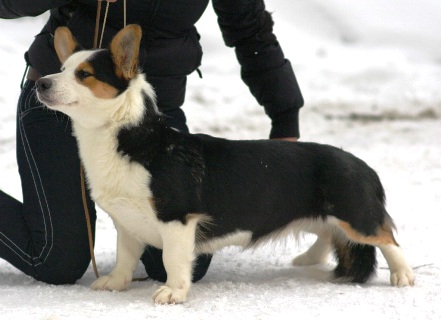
46 236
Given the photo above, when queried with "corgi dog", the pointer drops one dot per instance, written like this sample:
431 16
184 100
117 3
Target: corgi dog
191 194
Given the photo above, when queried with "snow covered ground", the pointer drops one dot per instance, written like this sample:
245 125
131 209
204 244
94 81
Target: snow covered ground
370 72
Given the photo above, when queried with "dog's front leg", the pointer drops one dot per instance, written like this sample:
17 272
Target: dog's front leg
128 253
178 255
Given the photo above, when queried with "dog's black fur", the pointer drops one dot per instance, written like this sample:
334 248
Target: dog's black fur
260 186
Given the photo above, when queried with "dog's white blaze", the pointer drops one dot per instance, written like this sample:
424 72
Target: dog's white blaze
78 102
66 94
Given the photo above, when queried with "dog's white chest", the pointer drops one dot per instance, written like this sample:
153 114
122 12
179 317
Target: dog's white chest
120 187
128 202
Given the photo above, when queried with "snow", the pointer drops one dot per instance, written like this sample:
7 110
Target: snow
370 72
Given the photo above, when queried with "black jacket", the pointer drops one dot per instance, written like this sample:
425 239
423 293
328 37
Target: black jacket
171 46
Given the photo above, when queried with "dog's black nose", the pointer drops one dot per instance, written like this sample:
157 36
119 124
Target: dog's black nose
43 84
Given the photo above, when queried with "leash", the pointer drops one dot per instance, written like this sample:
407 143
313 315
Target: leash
89 225
82 177
97 22
97 25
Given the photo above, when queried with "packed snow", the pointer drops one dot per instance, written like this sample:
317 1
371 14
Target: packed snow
370 72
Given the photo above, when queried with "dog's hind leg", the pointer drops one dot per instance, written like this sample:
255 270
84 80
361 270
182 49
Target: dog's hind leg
178 255
355 262
357 259
317 253
401 274
129 251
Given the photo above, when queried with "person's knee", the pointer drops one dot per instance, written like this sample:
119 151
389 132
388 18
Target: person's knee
63 268
152 260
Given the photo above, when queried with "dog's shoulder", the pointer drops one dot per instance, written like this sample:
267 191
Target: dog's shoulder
174 162
154 144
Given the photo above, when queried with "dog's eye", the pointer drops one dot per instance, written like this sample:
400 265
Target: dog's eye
83 74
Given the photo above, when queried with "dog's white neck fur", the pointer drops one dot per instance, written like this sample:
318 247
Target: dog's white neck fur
98 143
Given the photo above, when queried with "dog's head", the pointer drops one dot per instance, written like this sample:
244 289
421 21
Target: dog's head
92 85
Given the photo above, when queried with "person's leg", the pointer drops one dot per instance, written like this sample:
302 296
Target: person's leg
170 96
154 266
46 236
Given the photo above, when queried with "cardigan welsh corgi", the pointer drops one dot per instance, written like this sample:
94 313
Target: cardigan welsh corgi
190 194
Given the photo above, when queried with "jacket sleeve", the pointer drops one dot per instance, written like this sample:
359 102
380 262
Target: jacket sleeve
10 9
248 27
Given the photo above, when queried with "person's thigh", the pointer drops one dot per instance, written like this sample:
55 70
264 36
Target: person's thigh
52 242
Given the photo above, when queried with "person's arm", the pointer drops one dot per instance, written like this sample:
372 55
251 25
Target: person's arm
248 27
10 9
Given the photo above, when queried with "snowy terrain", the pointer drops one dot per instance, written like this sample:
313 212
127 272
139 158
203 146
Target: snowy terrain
370 72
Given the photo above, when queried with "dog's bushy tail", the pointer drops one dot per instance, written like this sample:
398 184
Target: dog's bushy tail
355 262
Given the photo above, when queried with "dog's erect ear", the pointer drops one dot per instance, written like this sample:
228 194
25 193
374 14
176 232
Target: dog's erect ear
64 43
125 51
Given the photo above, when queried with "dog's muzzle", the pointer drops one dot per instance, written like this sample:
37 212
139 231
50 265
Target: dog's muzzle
43 85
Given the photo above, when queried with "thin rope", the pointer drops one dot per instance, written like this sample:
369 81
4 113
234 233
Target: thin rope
97 25
104 24
125 14
89 225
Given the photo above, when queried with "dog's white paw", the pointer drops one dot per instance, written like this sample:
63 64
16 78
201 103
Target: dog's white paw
111 282
307 260
402 278
167 295
303 260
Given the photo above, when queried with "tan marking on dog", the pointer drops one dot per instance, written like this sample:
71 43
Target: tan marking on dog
99 89
383 235
125 51
64 43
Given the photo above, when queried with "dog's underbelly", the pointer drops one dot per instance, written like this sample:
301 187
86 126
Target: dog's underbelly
244 238
238 238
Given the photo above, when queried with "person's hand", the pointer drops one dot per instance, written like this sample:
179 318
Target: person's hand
291 139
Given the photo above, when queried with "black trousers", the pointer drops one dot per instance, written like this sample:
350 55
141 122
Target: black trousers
46 236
